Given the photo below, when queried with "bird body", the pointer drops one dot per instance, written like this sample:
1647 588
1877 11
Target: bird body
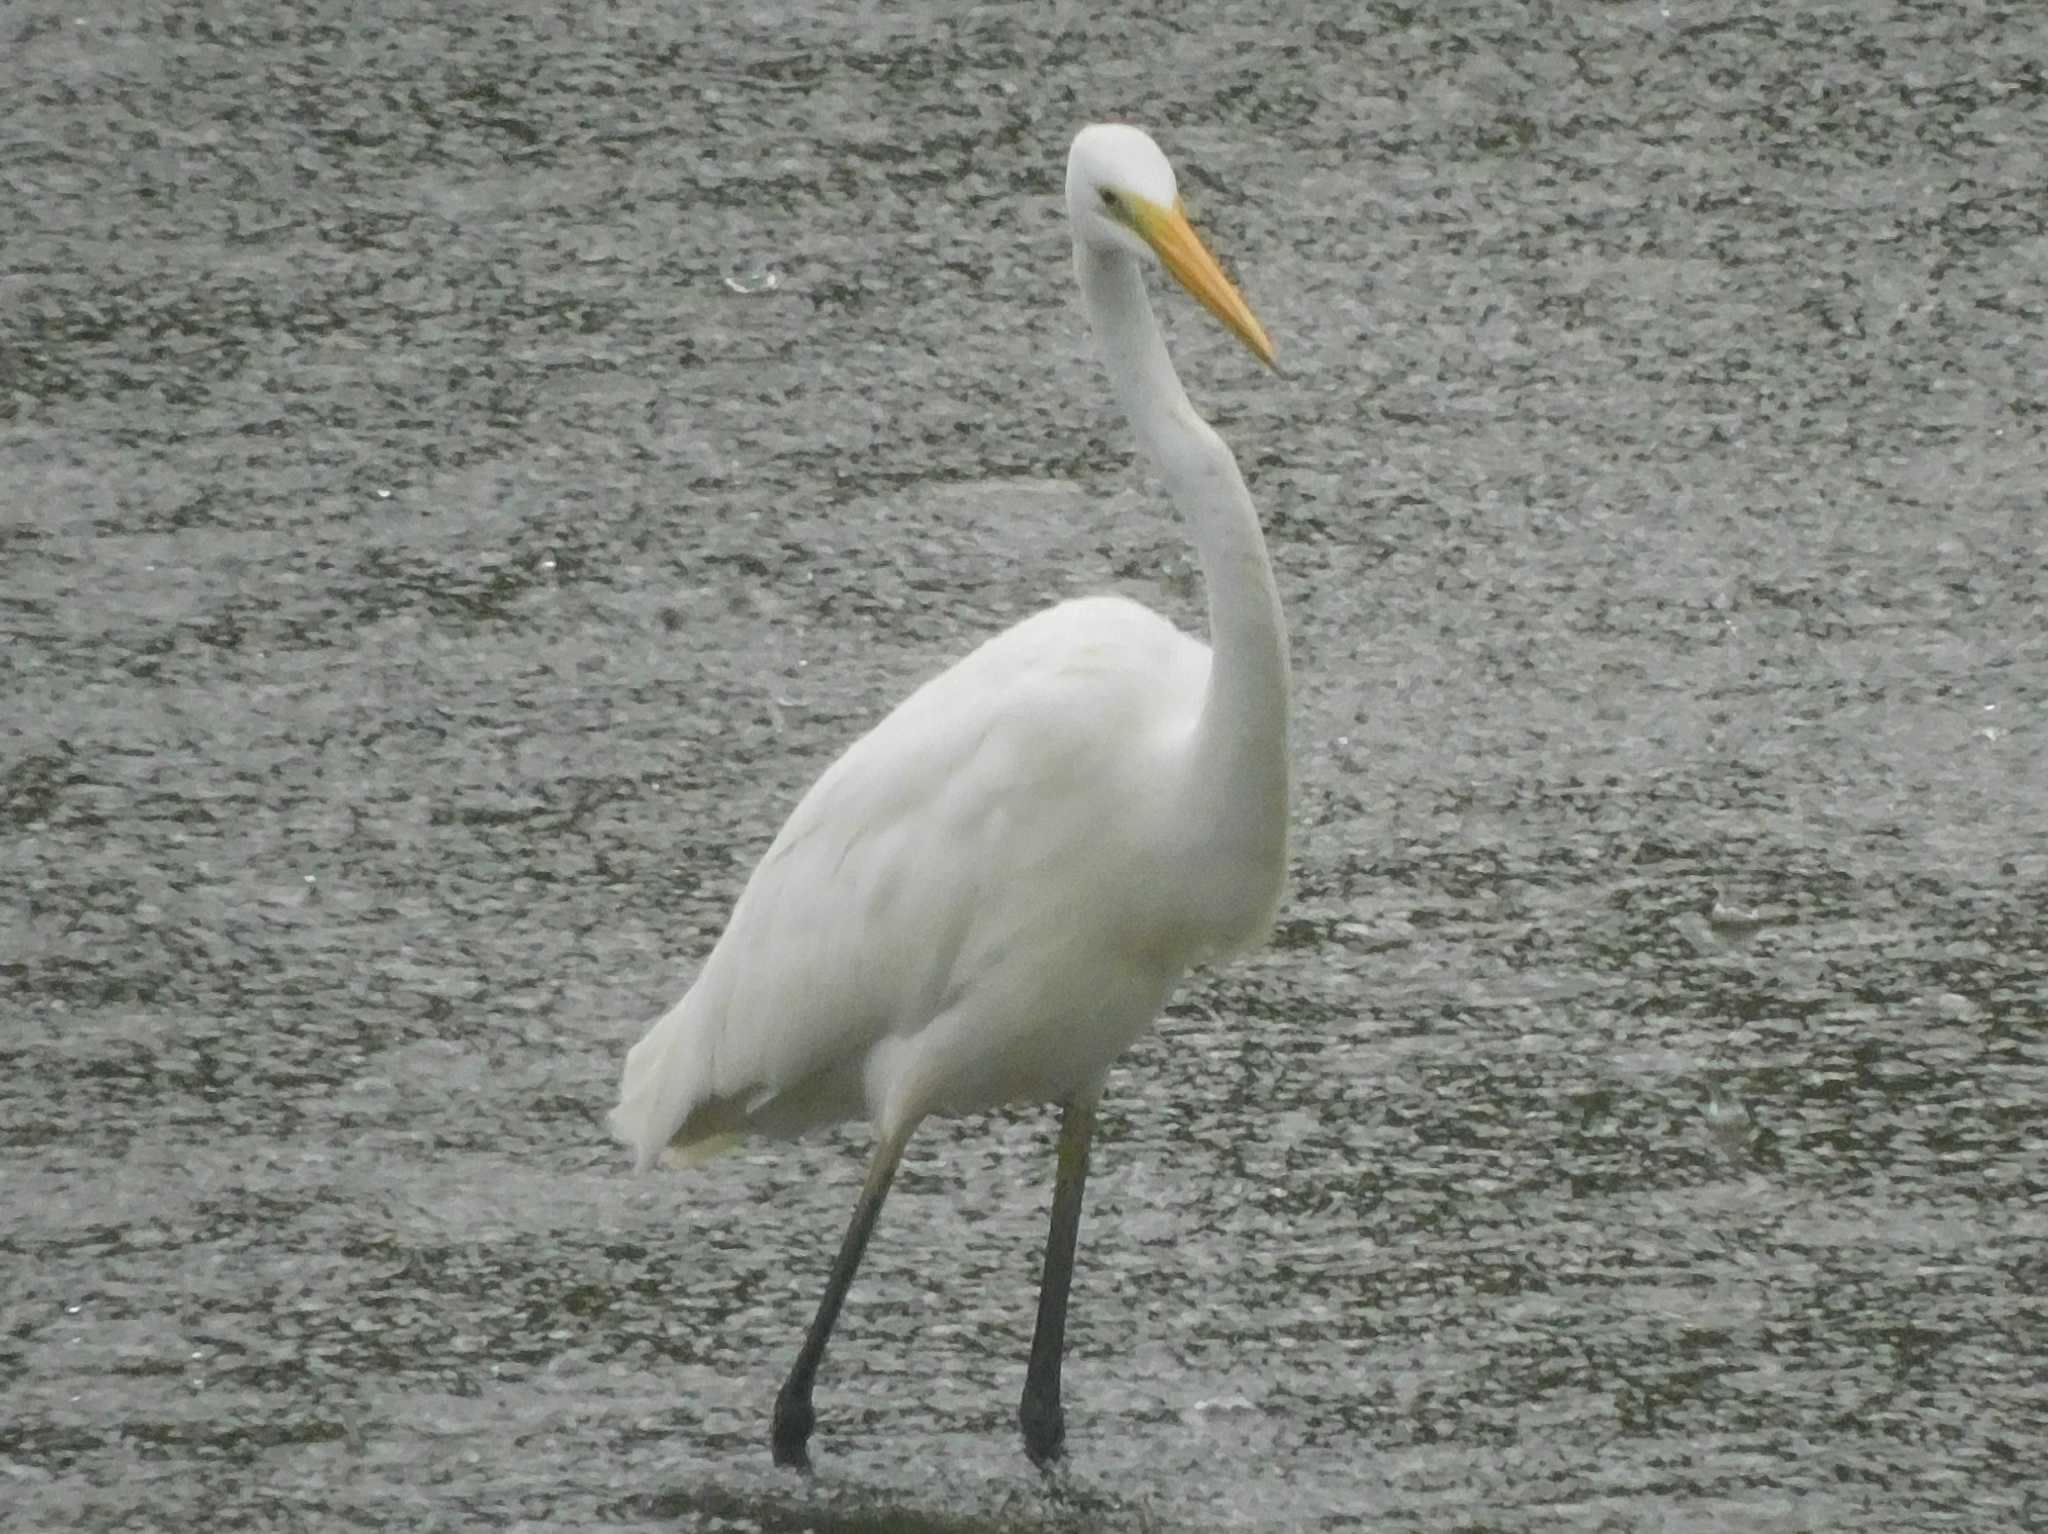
990 895
986 899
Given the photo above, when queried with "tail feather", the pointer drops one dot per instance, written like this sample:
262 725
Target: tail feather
690 1090
663 1098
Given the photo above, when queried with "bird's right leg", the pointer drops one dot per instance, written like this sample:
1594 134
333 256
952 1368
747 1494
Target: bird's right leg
1040 1415
794 1417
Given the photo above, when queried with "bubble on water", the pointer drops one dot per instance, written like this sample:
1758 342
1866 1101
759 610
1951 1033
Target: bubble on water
749 278
1211 1406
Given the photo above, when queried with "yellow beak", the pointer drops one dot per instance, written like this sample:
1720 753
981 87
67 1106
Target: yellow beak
1183 254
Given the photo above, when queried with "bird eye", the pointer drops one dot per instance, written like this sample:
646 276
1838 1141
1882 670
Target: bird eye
1108 197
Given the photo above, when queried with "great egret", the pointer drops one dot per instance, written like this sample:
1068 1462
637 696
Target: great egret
990 895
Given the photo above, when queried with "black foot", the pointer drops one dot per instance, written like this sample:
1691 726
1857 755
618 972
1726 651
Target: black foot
794 1420
1045 1431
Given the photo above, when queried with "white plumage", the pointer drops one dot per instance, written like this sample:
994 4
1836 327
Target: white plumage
978 903
988 897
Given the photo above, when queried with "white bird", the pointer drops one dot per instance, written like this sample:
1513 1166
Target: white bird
990 895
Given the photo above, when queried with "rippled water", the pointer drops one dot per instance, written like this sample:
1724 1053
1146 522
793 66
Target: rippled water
435 553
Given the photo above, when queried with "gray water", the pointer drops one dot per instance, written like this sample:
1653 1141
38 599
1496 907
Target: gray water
466 468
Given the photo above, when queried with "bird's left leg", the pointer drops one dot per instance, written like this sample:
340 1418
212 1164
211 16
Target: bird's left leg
1044 1423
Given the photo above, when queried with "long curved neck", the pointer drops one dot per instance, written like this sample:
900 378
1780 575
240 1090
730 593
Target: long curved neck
1239 775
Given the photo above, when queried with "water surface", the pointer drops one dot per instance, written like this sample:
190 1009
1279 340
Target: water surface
427 582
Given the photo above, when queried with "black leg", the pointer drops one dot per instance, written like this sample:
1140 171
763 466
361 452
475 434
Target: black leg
1044 1423
794 1417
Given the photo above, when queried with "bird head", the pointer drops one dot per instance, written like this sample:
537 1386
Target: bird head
1122 196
